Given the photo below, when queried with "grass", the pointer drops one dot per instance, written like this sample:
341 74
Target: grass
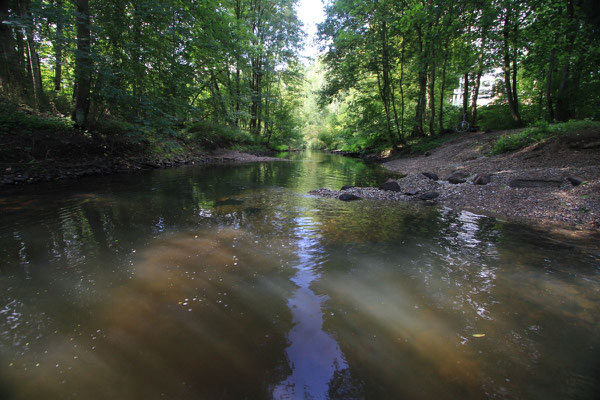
542 131
428 143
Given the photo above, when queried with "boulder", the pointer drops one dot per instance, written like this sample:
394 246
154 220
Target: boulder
348 197
346 187
482 179
457 177
429 196
575 180
534 183
431 175
391 185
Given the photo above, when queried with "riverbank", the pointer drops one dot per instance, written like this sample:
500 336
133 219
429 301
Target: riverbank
51 170
554 182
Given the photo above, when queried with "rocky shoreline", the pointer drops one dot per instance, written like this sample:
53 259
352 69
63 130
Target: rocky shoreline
50 171
553 183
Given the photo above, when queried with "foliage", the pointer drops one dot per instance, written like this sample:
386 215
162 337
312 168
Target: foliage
393 65
212 136
159 65
540 132
14 119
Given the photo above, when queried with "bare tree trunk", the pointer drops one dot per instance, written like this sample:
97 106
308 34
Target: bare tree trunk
431 98
549 86
422 81
443 87
33 58
58 47
402 89
396 121
465 106
83 65
563 112
510 88
475 96
11 71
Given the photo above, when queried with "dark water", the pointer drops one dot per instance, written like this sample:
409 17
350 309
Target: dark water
233 283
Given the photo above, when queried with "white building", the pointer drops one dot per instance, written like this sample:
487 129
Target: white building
489 80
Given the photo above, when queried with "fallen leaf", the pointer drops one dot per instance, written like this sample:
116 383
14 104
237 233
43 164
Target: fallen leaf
478 334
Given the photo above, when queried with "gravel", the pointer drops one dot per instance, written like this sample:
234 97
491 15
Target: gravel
555 203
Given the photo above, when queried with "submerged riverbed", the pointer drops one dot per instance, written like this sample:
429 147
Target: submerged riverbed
231 282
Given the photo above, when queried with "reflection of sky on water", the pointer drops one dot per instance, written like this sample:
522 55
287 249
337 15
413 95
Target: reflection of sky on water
291 296
314 356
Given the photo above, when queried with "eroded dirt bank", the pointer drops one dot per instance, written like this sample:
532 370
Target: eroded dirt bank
48 171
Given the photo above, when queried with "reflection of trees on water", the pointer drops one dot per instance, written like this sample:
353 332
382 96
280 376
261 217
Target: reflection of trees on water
406 287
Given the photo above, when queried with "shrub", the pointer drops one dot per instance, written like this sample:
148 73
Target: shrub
211 135
539 132
16 119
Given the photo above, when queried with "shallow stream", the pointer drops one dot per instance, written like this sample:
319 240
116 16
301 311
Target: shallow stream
231 282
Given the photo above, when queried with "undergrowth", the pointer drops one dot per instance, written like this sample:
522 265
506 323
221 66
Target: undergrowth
542 131
425 144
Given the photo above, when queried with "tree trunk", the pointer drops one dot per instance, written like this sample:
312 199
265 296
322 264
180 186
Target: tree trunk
422 81
475 96
402 90
563 101
549 86
510 88
399 133
465 106
11 71
83 65
58 46
237 96
33 58
443 87
385 73
431 98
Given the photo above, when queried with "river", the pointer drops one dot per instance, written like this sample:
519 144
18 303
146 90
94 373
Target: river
231 282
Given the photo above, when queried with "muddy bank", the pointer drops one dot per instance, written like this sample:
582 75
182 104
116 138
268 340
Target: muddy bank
48 171
557 182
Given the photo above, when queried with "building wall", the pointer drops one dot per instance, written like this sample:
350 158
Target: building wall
486 95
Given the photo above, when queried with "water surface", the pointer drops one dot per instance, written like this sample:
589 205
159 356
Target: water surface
233 282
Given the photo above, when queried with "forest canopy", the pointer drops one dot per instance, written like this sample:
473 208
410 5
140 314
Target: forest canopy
392 66
155 64
232 68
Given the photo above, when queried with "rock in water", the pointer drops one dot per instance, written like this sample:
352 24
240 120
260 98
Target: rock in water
348 197
431 175
457 177
390 184
429 196
482 179
575 180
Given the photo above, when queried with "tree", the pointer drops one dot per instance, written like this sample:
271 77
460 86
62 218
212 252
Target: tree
83 65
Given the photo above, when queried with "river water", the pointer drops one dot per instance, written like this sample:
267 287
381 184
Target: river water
231 282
